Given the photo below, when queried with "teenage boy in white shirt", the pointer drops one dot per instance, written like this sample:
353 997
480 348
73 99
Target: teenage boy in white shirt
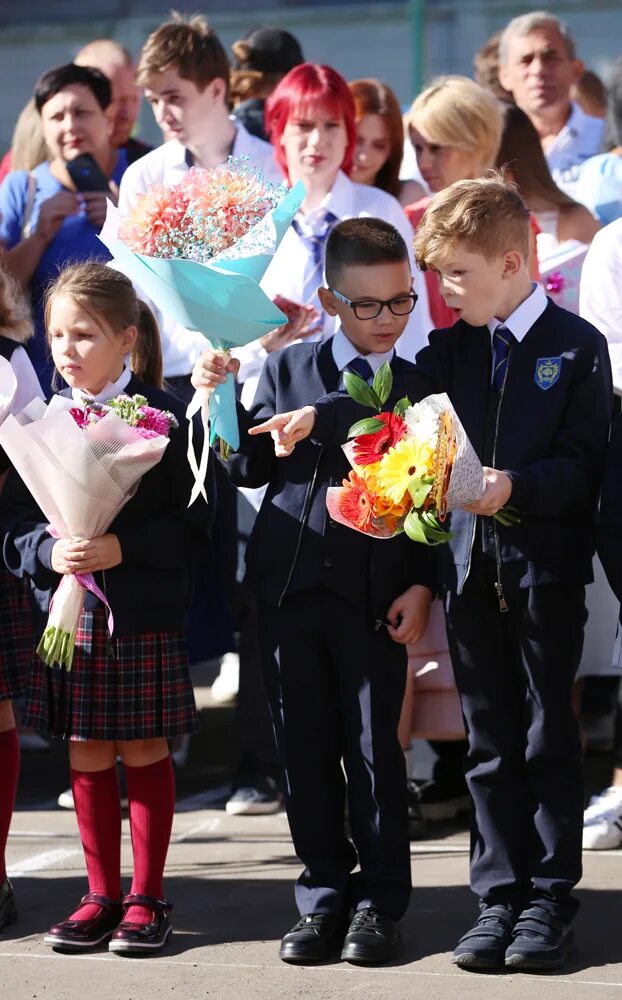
184 71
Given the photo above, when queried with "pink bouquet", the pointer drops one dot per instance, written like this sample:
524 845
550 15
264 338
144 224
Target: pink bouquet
81 466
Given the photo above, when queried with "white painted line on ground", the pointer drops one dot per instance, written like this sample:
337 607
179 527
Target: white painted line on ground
39 862
40 834
208 826
344 970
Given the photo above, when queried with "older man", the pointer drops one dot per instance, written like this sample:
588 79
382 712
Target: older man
115 62
538 65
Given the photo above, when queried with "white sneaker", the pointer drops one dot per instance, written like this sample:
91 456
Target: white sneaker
602 821
225 687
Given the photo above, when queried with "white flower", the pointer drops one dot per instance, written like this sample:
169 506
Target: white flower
422 423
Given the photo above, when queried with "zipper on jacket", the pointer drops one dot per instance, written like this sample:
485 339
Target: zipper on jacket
303 523
503 604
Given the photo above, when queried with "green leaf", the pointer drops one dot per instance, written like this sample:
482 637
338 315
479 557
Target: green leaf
401 406
418 490
360 392
413 527
507 516
368 425
383 382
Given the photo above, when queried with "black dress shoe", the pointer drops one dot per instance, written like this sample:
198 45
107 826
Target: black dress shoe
75 935
314 938
8 906
541 941
484 946
131 938
371 939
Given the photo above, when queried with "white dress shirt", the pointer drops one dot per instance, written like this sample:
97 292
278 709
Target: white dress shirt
166 165
110 390
287 271
520 322
600 296
344 352
580 138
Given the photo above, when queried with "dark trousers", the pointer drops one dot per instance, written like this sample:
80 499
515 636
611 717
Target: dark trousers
335 688
514 673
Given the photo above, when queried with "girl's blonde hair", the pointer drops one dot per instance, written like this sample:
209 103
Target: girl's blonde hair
105 293
455 111
15 315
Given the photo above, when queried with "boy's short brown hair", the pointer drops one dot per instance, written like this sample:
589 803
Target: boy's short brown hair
486 216
188 45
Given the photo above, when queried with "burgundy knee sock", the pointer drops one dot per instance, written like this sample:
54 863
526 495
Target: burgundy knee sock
151 794
9 773
98 811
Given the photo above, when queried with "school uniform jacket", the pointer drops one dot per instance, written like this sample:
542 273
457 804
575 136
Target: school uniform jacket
551 436
159 534
294 544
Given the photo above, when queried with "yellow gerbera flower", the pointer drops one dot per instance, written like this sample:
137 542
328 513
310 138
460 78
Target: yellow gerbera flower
409 458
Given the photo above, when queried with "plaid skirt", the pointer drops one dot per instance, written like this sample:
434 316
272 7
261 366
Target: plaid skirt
134 687
16 636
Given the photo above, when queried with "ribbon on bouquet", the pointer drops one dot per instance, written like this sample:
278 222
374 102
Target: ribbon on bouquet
219 420
87 582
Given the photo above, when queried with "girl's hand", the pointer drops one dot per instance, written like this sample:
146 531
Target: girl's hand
212 368
302 322
89 555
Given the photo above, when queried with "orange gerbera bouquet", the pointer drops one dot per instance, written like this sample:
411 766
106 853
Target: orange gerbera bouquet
410 467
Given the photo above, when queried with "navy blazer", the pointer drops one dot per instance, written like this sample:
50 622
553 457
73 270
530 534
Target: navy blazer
159 535
551 439
294 543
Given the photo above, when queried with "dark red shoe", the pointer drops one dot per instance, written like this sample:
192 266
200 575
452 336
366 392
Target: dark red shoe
76 935
131 938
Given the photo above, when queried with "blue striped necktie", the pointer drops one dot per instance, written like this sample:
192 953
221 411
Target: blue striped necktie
361 367
314 244
502 342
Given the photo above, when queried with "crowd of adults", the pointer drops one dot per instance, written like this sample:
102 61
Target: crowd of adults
532 111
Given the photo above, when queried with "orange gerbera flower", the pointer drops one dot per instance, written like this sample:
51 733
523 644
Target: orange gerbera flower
356 503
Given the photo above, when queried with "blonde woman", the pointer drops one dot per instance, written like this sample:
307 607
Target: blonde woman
455 128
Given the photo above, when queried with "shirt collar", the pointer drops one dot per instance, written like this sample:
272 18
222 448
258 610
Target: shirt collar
520 322
338 201
344 352
242 146
108 392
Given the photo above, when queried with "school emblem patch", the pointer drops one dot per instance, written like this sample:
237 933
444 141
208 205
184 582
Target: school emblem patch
547 372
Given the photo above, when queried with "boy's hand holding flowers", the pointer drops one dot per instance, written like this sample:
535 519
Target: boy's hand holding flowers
86 555
497 492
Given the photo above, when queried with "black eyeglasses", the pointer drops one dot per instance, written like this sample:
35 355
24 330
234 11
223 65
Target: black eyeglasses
401 305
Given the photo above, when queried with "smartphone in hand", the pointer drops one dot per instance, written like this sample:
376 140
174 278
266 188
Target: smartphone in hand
86 173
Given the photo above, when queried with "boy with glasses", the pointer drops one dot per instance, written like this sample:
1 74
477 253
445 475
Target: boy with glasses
335 612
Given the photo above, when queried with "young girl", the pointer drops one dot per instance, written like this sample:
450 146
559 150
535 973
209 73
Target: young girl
559 218
128 692
16 641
